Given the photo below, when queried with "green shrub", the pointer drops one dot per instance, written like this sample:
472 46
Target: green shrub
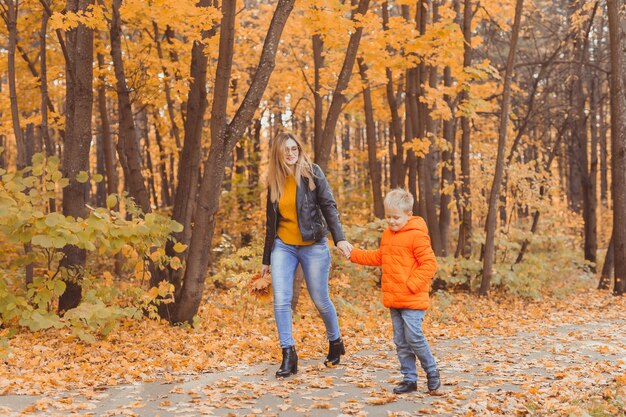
25 222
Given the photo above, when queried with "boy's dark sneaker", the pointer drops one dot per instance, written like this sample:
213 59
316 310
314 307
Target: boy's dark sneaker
434 382
405 386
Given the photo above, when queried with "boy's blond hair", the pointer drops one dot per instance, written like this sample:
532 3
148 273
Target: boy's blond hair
401 199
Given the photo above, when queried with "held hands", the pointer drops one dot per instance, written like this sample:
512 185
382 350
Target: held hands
345 247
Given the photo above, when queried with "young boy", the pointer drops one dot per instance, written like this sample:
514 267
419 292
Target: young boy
409 265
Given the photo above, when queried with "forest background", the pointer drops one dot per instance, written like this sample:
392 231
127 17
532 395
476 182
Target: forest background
133 148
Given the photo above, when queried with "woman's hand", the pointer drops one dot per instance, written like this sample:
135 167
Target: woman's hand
265 269
345 247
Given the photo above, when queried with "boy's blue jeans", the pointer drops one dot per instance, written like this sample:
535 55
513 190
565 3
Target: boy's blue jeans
411 342
315 261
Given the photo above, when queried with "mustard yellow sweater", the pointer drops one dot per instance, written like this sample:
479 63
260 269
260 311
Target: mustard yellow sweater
288 230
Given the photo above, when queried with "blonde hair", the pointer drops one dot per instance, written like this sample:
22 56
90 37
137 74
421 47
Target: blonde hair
279 171
401 199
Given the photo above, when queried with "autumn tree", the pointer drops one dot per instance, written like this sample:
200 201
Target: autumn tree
464 246
128 142
324 145
490 224
78 131
618 149
9 14
224 136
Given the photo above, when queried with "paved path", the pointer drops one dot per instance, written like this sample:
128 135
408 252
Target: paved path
536 373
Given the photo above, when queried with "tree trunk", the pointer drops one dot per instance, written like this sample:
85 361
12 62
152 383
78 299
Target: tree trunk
370 132
591 183
45 98
427 129
345 151
254 161
29 144
3 164
43 85
127 142
108 147
101 192
35 73
601 56
144 131
577 149
490 226
588 185
411 131
448 155
607 268
338 100
24 143
603 142
186 192
575 176
223 139
396 158
11 21
447 164
173 54
175 130
618 149
464 247
70 75
189 163
318 109
79 104
165 184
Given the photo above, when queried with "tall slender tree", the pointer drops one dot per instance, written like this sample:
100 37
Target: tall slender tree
43 86
370 133
78 129
618 148
127 140
9 14
492 213
464 246
322 153
224 137
397 158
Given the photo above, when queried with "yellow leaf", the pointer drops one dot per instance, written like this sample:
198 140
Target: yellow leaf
154 292
260 285
82 177
179 247
111 201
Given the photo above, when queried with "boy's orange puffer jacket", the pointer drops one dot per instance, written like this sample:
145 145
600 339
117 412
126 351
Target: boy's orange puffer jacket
408 263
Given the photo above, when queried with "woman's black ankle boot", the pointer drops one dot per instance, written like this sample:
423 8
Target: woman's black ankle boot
335 350
290 362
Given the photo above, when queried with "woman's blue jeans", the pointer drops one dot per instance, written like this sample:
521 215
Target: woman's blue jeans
411 342
315 261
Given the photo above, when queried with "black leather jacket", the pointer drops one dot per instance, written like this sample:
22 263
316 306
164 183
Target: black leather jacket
317 213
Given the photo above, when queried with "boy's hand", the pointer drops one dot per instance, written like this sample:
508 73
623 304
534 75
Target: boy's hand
265 269
345 247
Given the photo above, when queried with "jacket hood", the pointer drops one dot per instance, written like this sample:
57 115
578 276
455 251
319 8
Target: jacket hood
415 222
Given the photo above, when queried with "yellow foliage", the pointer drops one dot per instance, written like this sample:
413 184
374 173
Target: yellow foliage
421 147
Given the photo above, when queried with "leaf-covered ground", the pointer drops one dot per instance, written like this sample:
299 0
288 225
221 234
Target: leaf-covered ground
561 355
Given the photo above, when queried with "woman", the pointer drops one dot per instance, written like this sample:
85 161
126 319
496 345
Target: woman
300 211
